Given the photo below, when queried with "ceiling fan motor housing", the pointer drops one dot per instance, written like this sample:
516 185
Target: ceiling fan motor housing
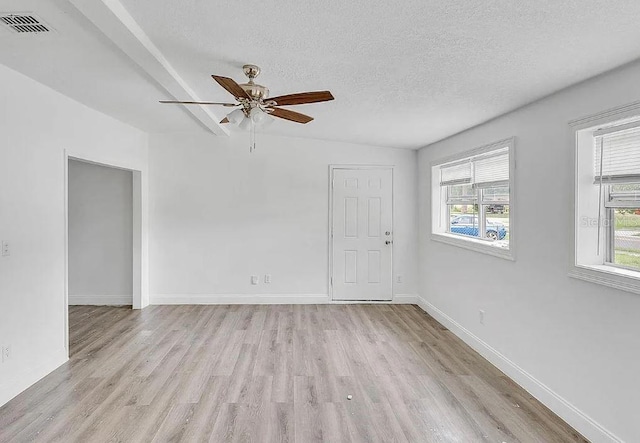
255 91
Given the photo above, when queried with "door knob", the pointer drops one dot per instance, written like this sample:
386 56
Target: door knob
388 242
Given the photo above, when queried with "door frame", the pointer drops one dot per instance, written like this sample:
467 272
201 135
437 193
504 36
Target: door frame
139 257
332 168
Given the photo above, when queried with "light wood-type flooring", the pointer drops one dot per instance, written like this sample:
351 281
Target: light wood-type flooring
247 373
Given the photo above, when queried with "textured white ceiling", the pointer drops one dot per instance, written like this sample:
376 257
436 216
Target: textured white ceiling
404 74
78 61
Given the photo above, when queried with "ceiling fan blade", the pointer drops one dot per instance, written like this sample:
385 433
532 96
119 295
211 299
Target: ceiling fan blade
301 98
198 103
230 85
290 115
224 120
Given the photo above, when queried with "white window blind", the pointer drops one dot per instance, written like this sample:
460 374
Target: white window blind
492 170
619 149
482 171
456 174
461 194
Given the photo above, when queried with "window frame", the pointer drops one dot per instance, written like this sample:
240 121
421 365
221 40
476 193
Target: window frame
586 266
440 210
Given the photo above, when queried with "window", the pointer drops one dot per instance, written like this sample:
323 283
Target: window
471 199
623 220
607 248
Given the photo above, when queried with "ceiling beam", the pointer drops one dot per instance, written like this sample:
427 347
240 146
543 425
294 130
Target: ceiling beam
114 21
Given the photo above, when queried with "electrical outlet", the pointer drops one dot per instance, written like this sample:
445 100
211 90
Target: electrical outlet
267 278
254 279
482 316
399 279
5 249
6 353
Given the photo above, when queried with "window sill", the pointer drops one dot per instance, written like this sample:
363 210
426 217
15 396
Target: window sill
473 244
623 279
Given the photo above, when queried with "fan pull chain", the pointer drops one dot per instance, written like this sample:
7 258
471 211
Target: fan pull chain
252 142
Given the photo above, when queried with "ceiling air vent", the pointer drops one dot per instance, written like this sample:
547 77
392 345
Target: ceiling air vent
24 23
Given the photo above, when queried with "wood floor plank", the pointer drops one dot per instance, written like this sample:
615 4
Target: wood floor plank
206 411
281 373
224 429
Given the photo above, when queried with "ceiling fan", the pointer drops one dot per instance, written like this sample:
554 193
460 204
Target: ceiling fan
253 105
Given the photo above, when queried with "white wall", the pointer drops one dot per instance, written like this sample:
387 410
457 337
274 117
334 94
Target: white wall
37 124
100 220
219 214
575 345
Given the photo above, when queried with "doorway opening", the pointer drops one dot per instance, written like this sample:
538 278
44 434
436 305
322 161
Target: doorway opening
103 250
100 235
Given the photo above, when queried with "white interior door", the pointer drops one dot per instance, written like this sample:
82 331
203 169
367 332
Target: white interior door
362 234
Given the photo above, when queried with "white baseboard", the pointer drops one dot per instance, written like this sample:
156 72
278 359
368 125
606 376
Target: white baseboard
11 386
560 406
262 299
237 299
405 299
101 300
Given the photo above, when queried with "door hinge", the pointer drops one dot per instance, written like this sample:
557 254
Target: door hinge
331 279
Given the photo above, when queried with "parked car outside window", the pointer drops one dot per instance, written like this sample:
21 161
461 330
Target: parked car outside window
469 225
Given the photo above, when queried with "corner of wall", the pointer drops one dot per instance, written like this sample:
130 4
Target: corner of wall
23 379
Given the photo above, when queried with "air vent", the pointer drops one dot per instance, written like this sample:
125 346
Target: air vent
24 23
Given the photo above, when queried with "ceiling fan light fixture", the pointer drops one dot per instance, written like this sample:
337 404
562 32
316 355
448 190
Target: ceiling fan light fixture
236 117
245 124
259 117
